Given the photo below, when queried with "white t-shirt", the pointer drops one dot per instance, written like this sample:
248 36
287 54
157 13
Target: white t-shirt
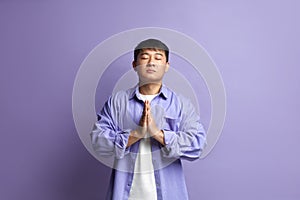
143 184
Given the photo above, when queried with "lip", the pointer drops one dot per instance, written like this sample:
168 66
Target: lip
150 71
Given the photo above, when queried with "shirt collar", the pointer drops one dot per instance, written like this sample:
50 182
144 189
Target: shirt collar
134 92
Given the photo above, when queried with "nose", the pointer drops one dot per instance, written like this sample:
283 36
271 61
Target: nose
151 61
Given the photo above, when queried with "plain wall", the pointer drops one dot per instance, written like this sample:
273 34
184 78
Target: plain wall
255 45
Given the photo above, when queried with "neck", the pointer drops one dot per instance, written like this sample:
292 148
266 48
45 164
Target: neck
150 88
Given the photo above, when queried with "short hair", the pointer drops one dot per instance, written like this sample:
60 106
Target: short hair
151 44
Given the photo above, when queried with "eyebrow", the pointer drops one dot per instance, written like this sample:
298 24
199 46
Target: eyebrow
157 53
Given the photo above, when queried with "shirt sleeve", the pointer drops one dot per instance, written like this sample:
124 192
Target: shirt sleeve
189 140
108 139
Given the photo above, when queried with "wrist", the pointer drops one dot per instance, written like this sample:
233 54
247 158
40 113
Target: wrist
158 133
135 133
159 136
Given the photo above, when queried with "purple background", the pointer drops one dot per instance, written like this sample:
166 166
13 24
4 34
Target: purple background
255 45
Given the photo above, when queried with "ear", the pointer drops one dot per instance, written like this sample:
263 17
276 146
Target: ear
134 65
167 66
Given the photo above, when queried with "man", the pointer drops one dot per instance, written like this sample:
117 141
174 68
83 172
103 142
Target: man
147 130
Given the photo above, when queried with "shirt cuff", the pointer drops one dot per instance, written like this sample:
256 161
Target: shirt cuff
169 137
121 143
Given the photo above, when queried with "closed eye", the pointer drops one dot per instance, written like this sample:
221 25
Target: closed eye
144 56
158 56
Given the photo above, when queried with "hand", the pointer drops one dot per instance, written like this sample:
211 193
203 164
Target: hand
152 129
146 125
142 129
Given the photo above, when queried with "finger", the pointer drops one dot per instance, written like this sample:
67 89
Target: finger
149 120
145 104
143 120
148 106
145 109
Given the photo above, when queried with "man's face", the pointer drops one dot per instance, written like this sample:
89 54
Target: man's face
151 65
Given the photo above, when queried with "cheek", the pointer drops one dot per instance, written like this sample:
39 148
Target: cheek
138 68
141 62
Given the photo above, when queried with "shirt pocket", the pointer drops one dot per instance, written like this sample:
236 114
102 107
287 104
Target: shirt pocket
171 123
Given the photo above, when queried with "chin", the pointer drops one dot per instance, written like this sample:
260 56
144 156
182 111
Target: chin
150 81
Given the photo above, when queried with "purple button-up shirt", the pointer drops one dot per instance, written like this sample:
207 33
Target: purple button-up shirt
184 138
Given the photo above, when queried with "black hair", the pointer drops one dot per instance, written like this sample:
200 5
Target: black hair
151 44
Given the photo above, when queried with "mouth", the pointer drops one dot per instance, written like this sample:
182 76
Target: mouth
150 71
